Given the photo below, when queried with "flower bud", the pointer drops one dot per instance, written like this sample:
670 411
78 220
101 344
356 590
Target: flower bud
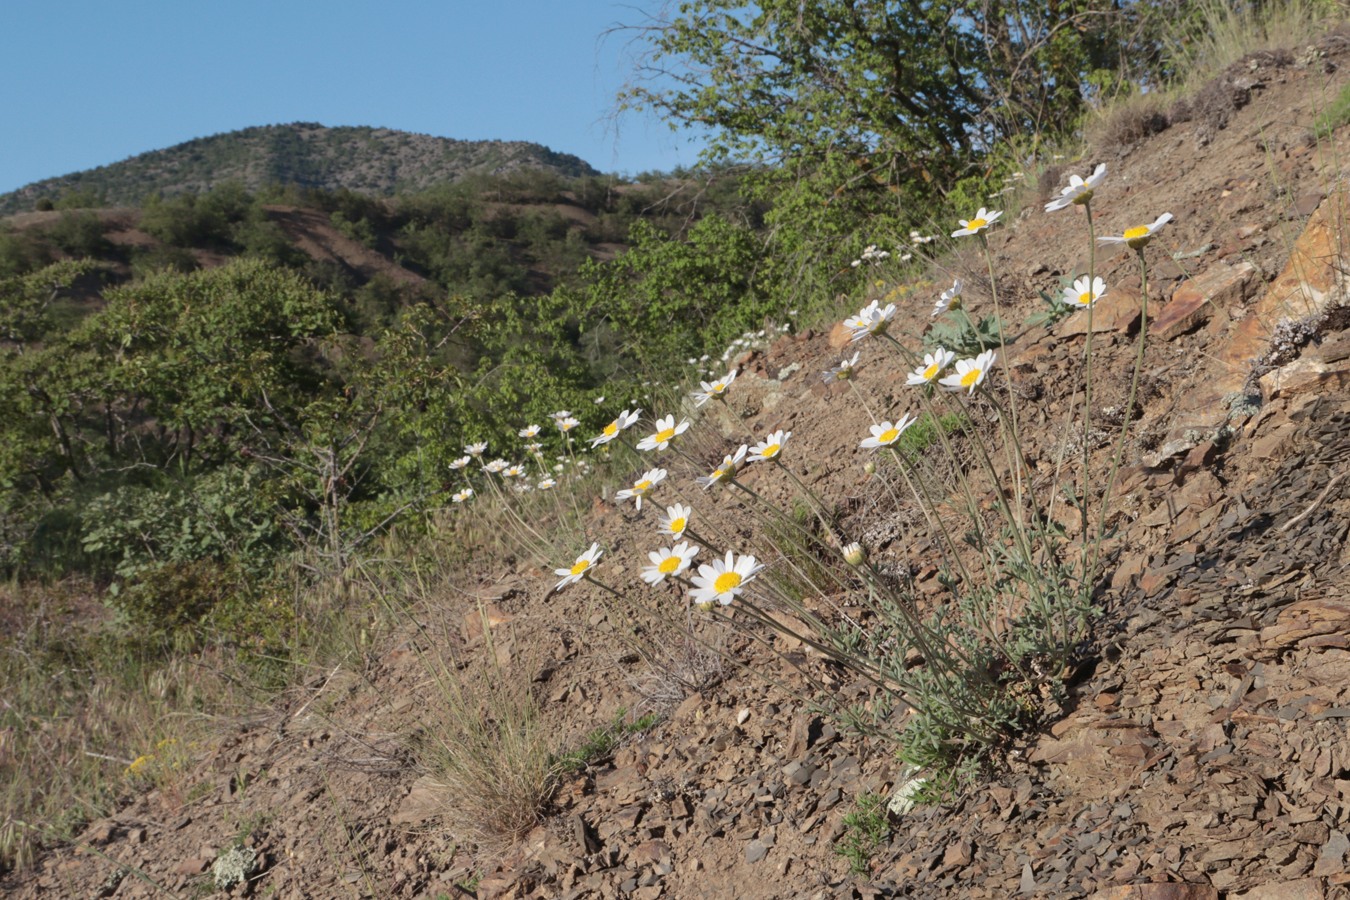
854 554
870 467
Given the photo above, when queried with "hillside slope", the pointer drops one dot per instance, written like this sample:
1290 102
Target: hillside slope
1202 755
377 161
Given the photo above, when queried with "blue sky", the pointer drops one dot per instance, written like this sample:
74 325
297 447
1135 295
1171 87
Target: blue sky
91 82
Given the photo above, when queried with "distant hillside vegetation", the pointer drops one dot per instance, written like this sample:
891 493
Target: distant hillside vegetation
377 161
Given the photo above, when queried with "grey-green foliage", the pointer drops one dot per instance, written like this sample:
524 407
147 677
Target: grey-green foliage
961 335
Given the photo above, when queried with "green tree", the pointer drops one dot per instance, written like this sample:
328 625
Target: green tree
866 107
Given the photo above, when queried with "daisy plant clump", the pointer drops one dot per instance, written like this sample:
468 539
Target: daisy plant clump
1015 579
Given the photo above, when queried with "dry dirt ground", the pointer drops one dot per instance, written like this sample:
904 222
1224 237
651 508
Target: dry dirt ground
1203 753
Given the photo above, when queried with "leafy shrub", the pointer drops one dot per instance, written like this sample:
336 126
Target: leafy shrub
146 261
80 234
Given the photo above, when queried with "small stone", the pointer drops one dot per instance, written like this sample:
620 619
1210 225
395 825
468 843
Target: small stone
1332 858
755 851
959 853
742 717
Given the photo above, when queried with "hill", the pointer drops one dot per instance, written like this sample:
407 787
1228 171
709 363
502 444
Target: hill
377 161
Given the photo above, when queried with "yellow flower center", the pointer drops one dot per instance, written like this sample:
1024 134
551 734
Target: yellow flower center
677 526
1085 298
971 377
771 451
669 565
1135 233
641 486
718 387
612 428
976 224
931 372
580 566
888 435
726 581
664 435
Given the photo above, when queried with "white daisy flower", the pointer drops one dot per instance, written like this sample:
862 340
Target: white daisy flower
723 580
560 414
529 431
566 424
713 390
842 372
461 496
534 449
546 483
1139 236
497 465
970 373
666 430
887 433
579 568
668 561
476 449
642 487
516 471
460 463
933 364
1083 294
625 421
872 319
770 447
983 219
599 400
677 520
726 471
950 298
1079 190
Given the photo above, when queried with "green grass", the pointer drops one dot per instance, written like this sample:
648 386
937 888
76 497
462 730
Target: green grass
602 742
1334 116
924 434
866 829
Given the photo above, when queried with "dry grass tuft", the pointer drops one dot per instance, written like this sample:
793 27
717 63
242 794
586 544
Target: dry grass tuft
1128 123
85 714
491 754
1220 65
